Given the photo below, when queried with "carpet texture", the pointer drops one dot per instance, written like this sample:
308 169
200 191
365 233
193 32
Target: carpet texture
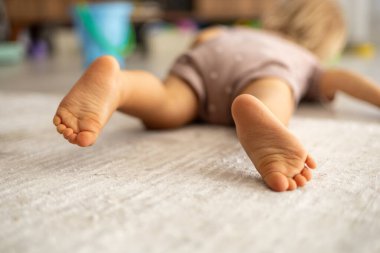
188 190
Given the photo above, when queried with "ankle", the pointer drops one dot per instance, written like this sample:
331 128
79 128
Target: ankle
123 91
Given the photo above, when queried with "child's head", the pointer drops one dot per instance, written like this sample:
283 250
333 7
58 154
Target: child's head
317 25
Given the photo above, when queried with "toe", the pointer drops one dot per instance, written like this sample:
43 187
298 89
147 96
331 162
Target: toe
292 184
86 138
61 128
57 120
300 180
310 162
72 138
67 132
307 174
277 181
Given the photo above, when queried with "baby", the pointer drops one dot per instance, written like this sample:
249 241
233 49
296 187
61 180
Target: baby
252 79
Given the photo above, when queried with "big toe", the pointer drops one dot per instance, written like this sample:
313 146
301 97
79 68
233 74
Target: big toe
277 181
86 138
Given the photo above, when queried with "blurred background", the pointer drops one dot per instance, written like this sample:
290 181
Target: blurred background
45 44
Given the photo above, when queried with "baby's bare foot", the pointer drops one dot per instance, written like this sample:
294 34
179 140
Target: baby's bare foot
87 107
277 155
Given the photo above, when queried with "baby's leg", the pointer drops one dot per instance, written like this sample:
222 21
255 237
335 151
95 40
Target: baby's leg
103 89
261 114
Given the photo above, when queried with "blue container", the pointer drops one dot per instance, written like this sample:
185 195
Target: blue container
105 29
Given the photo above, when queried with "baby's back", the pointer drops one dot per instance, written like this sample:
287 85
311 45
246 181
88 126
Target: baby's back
219 69
247 51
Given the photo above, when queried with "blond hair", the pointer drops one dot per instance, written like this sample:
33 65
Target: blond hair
317 25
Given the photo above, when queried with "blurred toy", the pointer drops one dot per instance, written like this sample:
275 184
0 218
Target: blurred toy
10 52
255 23
105 29
365 50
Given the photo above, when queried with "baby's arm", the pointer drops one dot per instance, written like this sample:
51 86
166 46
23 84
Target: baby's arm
353 84
207 34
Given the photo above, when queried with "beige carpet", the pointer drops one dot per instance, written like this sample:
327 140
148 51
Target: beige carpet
189 190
